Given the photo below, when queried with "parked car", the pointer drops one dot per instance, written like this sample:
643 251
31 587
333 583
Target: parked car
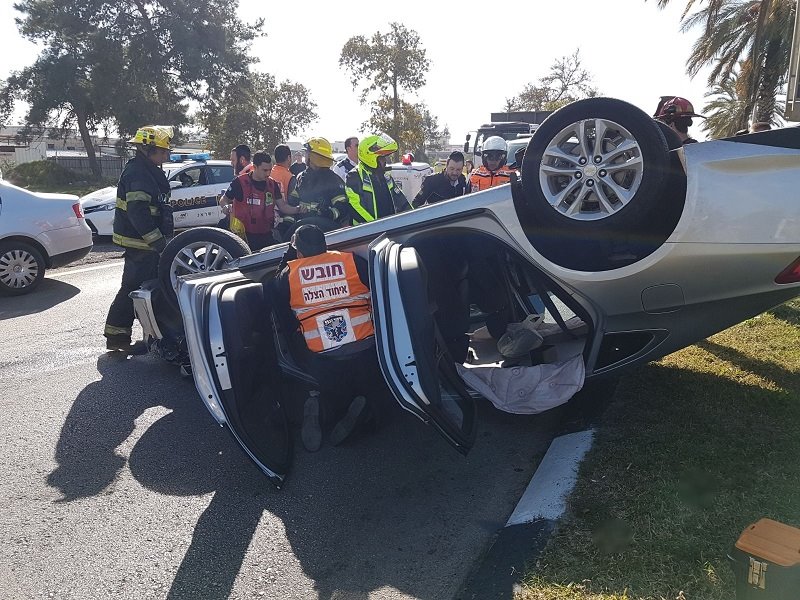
196 187
630 244
38 232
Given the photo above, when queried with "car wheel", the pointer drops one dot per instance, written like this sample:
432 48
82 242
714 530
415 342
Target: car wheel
21 268
197 250
670 135
593 173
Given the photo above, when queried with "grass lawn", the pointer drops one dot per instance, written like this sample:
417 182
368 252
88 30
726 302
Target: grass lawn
693 449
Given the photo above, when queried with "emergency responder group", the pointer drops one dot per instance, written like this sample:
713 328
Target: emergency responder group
272 201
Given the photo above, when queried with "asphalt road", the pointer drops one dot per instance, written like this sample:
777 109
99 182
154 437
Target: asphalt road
117 483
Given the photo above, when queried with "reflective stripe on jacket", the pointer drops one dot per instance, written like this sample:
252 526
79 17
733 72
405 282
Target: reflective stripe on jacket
142 192
361 196
329 300
483 179
256 210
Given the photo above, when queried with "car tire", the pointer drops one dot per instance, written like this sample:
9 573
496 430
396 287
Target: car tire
581 202
21 268
670 135
197 250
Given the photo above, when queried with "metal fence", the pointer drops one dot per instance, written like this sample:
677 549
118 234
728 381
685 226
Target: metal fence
110 166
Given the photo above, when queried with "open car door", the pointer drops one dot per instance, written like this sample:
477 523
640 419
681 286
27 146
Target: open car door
414 359
235 368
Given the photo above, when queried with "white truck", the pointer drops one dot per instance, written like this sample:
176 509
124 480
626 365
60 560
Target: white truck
508 125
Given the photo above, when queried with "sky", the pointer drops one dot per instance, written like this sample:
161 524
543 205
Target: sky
480 54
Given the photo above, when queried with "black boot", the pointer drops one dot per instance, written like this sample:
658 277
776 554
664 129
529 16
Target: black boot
122 343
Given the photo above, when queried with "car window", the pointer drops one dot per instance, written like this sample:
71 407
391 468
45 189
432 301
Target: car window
190 177
220 173
514 146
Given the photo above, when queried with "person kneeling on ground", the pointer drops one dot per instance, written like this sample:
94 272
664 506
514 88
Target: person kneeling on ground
322 297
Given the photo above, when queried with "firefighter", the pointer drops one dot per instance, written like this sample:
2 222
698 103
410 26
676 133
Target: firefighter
319 191
371 190
322 299
142 222
493 171
677 113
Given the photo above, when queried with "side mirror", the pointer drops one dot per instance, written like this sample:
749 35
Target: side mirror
466 147
175 184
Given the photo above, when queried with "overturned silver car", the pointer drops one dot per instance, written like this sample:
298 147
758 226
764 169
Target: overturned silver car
629 245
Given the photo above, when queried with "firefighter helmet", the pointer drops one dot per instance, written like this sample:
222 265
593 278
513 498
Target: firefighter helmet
320 152
676 107
159 136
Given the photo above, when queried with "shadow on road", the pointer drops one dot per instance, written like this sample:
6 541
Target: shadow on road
400 509
50 293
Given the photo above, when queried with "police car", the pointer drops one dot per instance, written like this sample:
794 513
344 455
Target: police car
197 182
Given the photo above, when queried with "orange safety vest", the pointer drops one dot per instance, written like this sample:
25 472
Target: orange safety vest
283 176
482 178
328 298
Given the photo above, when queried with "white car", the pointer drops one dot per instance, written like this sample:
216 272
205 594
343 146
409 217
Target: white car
196 186
38 232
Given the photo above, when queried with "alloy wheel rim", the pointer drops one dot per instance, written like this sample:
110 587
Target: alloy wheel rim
199 257
591 170
18 269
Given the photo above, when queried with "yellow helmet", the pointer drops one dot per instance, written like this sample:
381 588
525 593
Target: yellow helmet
373 146
321 151
154 135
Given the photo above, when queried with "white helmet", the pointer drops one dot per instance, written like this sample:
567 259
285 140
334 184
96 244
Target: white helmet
495 144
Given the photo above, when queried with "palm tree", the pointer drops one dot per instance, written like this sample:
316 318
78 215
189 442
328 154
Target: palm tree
726 107
757 33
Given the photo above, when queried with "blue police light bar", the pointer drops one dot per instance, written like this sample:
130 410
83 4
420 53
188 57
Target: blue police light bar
195 156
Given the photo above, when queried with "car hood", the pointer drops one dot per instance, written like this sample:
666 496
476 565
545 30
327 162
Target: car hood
101 196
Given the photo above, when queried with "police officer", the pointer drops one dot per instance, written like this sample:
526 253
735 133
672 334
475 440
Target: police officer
493 171
371 190
322 299
349 162
142 221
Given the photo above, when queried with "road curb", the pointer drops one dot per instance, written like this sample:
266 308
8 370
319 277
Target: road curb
529 527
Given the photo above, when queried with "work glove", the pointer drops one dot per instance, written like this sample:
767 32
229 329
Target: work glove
159 244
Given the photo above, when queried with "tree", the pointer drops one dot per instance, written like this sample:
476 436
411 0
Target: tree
416 126
126 62
726 107
259 112
566 82
757 34
386 64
